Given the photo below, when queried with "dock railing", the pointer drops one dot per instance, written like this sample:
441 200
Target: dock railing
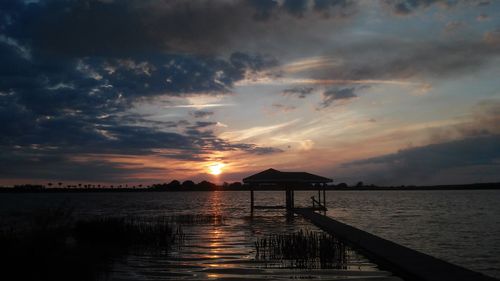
317 205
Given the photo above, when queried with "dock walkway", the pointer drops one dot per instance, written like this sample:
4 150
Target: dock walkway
407 263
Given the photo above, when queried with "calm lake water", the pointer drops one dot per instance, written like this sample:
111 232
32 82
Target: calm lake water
462 227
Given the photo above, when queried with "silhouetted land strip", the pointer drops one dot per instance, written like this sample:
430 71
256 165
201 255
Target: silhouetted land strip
472 186
165 188
408 263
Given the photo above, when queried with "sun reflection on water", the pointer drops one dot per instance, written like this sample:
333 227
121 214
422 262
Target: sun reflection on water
217 237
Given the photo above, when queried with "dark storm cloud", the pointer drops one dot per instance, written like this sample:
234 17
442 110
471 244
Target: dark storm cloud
47 84
425 59
47 150
201 114
336 94
298 8
322 5
53 107
83 28
264 9
341 8
406 7
31 164
177 74
145 119
295 7
69 69
43 90
299 92
200 125
81 134
463 152
484 120
415 165
76 133
125 27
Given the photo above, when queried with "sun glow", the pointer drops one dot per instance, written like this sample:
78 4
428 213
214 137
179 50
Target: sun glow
216 169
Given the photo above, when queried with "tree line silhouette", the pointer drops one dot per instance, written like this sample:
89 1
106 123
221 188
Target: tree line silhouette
173 185
189 184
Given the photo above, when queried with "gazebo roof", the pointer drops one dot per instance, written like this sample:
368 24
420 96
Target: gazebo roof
272 176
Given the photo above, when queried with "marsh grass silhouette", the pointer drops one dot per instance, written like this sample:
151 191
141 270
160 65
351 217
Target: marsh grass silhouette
54 246
129 234
303 249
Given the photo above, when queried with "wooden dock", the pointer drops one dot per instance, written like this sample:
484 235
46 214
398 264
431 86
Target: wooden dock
403 261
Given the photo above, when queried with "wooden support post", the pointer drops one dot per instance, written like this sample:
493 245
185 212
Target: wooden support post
293 199
324 197
288 199
285 198
251 200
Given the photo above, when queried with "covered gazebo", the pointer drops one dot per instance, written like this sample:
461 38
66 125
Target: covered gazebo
287 181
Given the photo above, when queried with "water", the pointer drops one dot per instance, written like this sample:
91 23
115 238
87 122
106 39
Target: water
462 227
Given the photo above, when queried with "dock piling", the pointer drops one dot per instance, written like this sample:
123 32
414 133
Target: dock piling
251 200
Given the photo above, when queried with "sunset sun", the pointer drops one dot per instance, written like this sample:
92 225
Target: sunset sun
216 169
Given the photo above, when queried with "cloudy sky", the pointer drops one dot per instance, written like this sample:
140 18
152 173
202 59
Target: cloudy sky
382 91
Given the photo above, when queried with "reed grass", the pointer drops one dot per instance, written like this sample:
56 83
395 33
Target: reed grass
53 245
156 235
303 249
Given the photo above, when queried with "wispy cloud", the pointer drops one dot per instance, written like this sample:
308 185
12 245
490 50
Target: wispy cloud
311 81
199 101
201 114
278 107
253 132
199 106
310 64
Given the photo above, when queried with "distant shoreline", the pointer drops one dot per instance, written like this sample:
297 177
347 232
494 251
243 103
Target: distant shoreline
475 186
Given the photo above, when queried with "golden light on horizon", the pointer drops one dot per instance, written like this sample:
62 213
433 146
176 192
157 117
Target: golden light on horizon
216 169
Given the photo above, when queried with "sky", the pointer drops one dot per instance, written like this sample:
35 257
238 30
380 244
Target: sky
388 92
